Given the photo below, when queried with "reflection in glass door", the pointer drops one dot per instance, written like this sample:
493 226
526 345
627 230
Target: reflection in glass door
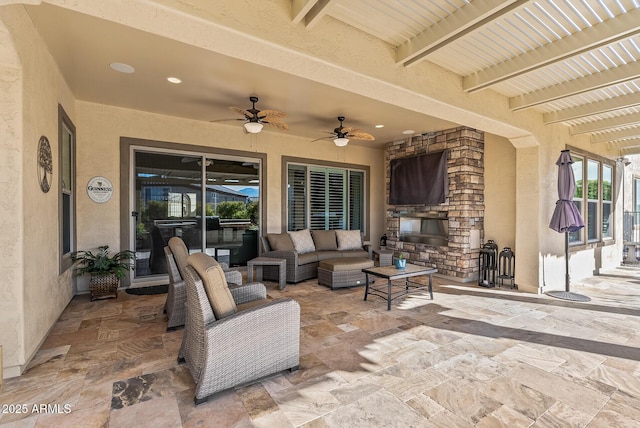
167 199
168 202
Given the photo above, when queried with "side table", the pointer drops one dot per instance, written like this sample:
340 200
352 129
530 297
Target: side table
383 257
259 262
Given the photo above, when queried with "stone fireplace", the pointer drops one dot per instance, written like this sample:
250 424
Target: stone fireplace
445 236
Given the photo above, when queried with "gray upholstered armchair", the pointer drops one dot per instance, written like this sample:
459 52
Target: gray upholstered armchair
234 335
176 254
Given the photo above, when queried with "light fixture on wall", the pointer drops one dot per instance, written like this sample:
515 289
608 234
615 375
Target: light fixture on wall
253 127
341 141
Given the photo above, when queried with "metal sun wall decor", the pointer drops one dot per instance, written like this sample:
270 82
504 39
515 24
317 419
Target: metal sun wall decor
45 164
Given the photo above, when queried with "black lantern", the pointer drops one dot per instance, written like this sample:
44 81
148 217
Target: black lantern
383 241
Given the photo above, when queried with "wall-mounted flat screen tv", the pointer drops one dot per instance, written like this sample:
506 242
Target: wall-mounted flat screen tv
419 180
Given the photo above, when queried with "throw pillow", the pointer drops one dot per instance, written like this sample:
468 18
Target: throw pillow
280 242
302 241
349 240
324 239
215 284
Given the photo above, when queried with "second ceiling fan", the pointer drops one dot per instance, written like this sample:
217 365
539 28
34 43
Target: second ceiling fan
255 119
342 135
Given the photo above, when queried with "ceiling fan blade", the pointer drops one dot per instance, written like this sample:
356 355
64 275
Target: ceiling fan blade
271 114
240 111
360 136
276 124
225 120
323 138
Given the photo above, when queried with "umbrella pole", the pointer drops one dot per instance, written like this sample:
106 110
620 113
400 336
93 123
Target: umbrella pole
567 295
566 261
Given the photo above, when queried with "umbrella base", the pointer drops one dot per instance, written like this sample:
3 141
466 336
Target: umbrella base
568 295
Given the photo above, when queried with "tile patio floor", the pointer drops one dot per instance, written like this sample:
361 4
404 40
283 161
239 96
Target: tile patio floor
472 357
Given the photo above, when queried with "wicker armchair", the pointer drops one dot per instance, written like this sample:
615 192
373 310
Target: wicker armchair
176 254
244 342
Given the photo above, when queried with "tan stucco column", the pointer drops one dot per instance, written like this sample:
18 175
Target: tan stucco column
528 262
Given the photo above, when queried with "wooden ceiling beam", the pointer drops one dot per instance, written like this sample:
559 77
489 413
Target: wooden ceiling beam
597 107
604 124
622 134
603 79
466 19
600 35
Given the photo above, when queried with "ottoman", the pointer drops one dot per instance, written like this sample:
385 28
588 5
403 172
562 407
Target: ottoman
344 272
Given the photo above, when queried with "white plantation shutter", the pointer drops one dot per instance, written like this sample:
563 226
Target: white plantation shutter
321 198
336 196
297 197
318 199
356 200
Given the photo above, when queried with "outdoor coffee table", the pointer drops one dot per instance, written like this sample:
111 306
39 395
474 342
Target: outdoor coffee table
391 273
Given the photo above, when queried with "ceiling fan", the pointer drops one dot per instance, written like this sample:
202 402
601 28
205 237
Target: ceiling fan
255 119
341 135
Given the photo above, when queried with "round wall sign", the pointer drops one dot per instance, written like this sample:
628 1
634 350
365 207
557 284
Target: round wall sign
99 189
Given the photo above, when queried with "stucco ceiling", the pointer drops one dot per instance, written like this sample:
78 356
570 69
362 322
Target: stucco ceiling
575 62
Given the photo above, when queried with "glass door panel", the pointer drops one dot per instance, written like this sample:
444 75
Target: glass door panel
232 210
168 201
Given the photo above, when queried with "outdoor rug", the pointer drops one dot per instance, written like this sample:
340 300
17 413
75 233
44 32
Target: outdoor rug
140 291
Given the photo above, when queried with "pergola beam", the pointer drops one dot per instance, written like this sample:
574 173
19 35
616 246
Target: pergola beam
464 20
604 124
311 11
597 36
628 144
598 107
610 77
608 137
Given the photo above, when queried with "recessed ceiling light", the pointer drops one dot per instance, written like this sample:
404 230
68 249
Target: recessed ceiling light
379 126
408 132
121 67
174 80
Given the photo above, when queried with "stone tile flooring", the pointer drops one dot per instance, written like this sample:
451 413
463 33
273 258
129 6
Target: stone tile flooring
472 357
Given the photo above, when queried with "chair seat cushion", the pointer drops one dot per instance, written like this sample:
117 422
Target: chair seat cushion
307 258
345 264
355 253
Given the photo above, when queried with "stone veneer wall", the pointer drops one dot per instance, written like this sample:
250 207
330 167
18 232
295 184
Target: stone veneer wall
464 205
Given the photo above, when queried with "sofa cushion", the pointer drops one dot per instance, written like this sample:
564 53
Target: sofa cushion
355 253
324 239
302 241
215 284
280 242
323 255
307 258
349 240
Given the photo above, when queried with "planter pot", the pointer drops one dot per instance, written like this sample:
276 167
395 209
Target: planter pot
400 263
103 286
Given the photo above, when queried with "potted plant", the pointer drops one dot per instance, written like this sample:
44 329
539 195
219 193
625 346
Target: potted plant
400 262
106 269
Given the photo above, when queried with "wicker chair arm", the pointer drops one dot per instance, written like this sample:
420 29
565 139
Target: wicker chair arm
248 292
233 277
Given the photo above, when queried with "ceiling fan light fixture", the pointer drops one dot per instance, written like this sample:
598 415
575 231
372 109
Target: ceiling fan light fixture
341 141
253 127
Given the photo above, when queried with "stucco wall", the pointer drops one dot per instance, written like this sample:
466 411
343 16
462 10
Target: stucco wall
36 293
100 127
500 191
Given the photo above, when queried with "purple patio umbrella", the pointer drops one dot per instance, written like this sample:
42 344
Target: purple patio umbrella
566 218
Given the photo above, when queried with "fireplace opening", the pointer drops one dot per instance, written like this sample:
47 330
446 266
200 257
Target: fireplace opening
432 230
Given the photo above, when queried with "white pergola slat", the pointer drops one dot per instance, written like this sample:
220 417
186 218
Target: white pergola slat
601 125
622 134
617 103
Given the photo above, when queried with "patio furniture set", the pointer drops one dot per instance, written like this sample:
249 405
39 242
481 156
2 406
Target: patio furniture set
233 334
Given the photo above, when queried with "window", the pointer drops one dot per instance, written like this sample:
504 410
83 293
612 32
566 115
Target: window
66 184
325 197
593 197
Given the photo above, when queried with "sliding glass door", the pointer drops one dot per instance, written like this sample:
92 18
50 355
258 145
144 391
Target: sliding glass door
211 202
